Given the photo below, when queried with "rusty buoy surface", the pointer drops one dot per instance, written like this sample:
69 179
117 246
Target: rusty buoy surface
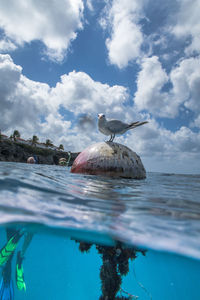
110 159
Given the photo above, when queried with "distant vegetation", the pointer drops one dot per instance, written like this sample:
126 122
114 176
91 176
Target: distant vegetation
34 141
15 135
36 150
49 143
61 147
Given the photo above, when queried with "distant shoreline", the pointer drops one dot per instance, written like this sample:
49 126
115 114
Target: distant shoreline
14 151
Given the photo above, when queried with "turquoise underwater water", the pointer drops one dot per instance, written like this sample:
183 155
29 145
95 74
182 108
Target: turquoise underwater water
158 217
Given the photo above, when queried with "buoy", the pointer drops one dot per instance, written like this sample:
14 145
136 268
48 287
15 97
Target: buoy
109 159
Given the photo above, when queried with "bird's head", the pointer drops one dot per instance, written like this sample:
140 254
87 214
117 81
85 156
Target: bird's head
101 116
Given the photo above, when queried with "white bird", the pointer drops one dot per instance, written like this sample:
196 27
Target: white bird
114 127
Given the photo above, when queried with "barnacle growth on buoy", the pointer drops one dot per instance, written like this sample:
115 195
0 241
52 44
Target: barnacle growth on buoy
109 159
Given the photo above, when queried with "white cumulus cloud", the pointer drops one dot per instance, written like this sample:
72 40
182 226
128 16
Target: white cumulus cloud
185 87
122 19
53 23
7 45
187 24
186 82
22 100
164 150
79 93
196 122
150 82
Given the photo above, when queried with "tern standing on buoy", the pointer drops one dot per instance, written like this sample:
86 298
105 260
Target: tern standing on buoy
114 127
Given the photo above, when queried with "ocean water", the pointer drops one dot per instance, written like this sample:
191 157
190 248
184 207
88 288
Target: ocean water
148 229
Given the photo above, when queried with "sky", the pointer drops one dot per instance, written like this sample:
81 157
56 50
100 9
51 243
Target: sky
63 62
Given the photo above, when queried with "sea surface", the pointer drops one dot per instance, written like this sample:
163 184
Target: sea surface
157 218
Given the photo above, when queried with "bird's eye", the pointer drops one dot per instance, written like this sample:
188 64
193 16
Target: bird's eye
103 116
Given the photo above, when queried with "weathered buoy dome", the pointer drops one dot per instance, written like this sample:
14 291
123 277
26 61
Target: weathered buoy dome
110 159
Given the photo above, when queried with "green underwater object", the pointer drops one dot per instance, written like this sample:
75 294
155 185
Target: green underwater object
21 285
7 251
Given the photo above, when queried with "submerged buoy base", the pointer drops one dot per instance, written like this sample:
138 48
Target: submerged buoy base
109 159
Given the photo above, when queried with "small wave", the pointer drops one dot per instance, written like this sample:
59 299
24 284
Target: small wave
161 212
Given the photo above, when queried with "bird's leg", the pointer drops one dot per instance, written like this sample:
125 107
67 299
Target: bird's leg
110 140
113 137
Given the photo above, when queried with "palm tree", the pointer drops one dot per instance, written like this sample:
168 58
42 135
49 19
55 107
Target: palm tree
34 140
49 143
16 134
61 147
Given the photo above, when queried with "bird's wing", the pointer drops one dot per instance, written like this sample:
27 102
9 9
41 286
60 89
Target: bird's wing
116 126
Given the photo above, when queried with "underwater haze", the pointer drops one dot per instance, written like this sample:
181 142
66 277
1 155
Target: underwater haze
101 238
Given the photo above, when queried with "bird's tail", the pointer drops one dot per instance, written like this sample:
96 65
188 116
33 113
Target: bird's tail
136 124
